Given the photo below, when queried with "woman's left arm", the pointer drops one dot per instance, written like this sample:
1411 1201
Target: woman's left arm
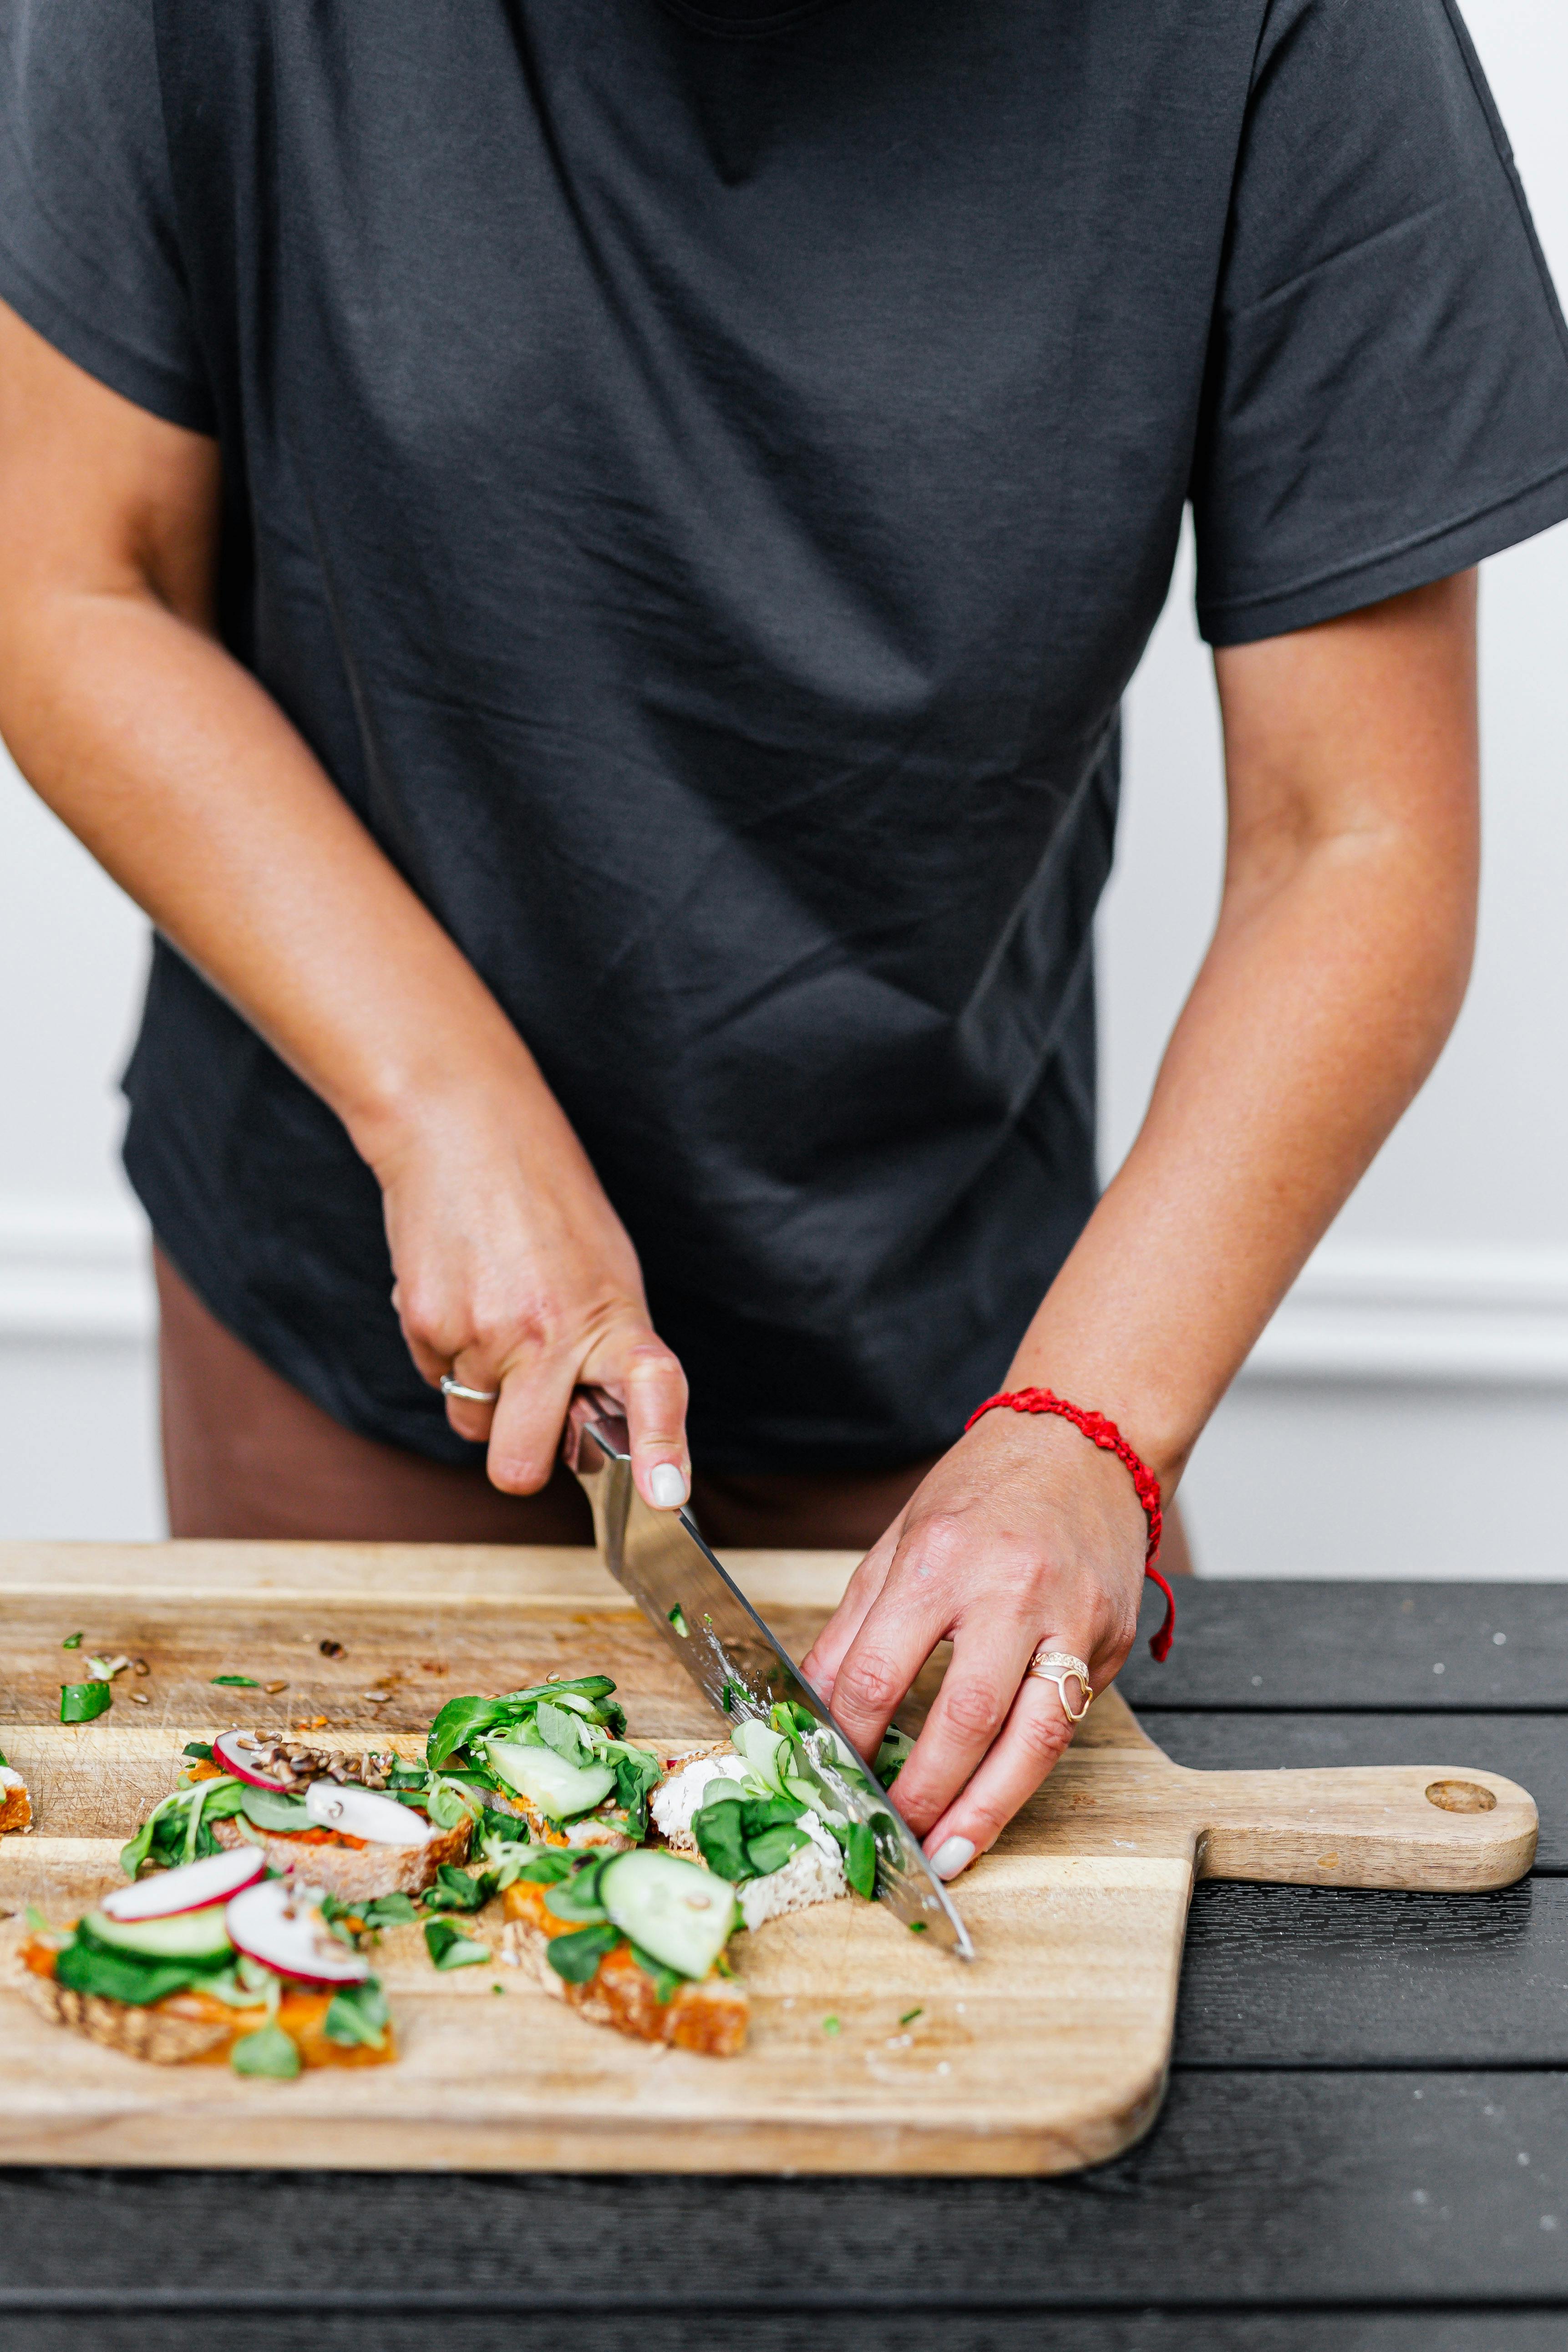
1336 970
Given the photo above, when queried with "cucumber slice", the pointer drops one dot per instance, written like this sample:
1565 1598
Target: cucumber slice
560 1790
681 1915
760 1745
187 1936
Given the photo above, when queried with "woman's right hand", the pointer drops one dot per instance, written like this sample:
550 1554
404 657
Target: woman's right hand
514 1273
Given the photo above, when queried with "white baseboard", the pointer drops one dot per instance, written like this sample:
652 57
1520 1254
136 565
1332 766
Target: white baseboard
1379 1312
74 1272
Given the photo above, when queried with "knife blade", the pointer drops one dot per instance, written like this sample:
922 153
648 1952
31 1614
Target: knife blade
737 1662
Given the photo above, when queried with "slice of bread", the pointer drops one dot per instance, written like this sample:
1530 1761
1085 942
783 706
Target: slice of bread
16 1806
709 2018
188 2027
350 1868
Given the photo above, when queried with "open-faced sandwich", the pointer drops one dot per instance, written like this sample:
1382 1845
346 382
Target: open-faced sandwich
15 1807
358 1827
638 1939
214 1959
557 1755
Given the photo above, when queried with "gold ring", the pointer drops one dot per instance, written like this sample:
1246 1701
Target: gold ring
1059 1666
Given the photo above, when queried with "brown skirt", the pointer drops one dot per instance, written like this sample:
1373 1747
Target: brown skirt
247 1455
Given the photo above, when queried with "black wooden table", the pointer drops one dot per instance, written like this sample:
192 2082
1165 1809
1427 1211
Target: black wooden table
1366 2143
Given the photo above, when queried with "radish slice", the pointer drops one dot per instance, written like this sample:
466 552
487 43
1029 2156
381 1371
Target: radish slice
190 1888
281 1926
236 1751
360 1813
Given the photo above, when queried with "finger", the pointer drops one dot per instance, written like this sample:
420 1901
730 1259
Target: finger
646 1379
527 1422
467 1416
822 1662
1033 1739
976 1698
895 1638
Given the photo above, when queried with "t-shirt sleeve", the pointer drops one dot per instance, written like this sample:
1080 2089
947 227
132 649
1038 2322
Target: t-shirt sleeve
1386 398
88 251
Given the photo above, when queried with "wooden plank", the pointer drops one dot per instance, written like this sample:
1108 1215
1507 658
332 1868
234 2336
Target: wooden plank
1311 1977
1530 1749
1355 1644
69 2329
1262 2190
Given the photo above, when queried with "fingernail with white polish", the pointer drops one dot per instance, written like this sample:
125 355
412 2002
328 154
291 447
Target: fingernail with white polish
954 1854
666 1484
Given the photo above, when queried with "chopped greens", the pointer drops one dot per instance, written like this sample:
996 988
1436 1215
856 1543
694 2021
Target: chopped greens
71 1642
178 1829
449 1949
577 1721
909 2016
237 1681
197 1750
677 1618
84 1702
455 1890
270 2052
394 1910
748 1837
576 1956
358 2014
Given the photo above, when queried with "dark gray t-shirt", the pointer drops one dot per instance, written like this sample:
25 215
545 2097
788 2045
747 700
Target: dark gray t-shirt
701 479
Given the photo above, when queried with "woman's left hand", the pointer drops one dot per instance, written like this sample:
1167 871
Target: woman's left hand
1025 1534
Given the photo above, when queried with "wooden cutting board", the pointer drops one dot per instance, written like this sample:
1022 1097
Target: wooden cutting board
869 2053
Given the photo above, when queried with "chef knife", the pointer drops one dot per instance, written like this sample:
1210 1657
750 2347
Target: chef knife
736 1662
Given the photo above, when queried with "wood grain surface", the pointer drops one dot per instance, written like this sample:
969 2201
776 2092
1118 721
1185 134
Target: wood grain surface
1050 2052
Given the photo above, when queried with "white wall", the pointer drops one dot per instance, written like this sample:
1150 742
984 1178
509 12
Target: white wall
1407 1412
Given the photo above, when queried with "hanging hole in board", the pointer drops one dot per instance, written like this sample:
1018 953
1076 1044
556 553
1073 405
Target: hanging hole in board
1460 1797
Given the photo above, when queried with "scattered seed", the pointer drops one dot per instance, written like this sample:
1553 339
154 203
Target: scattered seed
377 1698
140 1698
140 1667
272 1689
331 1649
432 1666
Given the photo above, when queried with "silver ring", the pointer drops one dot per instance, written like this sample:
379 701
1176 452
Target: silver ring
450 1387
1059 1666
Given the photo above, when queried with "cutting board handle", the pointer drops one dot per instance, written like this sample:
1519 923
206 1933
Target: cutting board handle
1437 1826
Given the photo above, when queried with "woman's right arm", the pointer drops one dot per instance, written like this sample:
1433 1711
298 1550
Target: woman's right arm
189 785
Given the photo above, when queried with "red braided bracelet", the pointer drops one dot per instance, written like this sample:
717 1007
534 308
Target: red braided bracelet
1103 1432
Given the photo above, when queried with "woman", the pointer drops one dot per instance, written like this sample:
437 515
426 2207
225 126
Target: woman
580 565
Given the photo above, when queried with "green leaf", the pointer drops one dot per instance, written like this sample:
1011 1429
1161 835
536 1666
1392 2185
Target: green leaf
576 1899
198 1751
71 1642
240 1681
667 1983
861 1858
458 1722
576 1957
564 1732
448 1802
268 2050
85 1966
720 1839
455 1890
909 2016
551 1863
394 1910
771 1848
358 2014
449 1949
637 1775
82 1702
270 1809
